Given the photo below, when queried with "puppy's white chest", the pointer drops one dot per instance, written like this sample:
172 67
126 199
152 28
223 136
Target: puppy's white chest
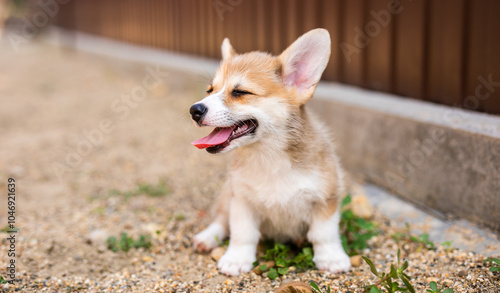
283 201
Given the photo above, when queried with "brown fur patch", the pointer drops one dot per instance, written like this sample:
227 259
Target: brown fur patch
327 210
308 151
256 72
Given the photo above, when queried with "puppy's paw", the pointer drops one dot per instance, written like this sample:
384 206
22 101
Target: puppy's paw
332 258
237 260
206 240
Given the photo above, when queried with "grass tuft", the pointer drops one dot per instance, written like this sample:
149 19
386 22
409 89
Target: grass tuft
355 231
284 257
125 243
395 279
158 190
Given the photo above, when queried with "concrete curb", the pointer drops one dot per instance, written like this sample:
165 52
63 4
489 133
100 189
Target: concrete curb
461 233
450 169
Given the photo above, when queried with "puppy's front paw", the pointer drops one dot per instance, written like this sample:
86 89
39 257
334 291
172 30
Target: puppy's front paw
331 258
237 259
206 240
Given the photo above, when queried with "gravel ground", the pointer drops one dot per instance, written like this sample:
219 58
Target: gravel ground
53 100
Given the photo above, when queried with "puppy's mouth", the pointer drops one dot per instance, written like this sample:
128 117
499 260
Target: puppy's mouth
221 137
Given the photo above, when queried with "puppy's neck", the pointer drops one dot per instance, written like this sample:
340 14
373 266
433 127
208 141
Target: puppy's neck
286 147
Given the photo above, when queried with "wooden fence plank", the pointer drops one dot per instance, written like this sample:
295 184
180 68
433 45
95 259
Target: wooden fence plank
202 28
354 43
483 49
410 58
211 19
250 29
330 10
172 24
277 36
262 25
192 26
179 26
154 21
291 20
220 33
379 53
232 24
445 59
310 15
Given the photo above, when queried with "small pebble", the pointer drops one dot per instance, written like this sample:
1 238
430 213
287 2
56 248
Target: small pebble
217 253
97 237
147 258
356 260
269 264
294 287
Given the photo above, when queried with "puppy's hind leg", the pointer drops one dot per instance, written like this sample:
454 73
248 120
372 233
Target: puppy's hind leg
218 230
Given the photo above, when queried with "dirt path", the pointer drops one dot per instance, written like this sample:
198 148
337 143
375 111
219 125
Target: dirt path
75 144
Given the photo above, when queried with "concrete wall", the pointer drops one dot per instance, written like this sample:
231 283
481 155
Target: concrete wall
432 157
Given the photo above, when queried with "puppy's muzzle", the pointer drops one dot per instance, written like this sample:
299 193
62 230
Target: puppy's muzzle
198 111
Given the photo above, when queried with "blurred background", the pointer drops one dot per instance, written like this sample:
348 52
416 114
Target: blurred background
426 50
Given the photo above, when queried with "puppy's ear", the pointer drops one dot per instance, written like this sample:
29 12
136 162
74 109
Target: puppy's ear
303 63
227 50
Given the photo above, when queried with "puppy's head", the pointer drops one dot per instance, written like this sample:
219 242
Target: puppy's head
253 95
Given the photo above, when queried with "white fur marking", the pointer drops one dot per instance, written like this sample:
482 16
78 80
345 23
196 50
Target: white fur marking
206 240
245 235
329 255
218 114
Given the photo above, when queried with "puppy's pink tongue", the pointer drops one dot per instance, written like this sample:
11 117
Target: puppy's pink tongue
218 136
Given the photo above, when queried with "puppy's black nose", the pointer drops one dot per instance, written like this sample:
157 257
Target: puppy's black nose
198 111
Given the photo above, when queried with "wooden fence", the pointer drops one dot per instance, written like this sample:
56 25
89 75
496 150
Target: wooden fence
442 51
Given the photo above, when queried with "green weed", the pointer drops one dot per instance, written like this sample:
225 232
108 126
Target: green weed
222 243
125 243
99 210
390 280
447 244
157 190
285 257
424 241
434 288
316 289
356 231
7 229
494 264
180 217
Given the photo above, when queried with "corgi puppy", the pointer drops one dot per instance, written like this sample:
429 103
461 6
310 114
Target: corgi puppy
285 180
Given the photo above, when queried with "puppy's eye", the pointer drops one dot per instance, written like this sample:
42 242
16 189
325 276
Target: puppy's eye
210 89
239 93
